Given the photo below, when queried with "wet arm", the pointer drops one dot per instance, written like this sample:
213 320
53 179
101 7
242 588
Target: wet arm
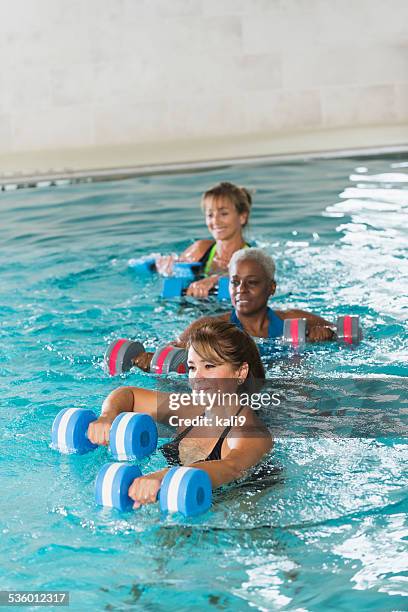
317 328
135 399
246 453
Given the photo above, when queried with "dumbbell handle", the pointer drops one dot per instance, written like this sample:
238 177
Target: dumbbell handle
174 287
184 489
346 330
130 434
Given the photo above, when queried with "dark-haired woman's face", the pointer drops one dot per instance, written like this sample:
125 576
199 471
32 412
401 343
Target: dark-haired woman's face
204 374
222 218
249 288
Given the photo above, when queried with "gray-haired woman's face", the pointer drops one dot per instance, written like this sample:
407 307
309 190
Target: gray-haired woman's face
249 287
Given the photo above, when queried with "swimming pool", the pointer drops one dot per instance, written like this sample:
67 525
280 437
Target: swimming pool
331 531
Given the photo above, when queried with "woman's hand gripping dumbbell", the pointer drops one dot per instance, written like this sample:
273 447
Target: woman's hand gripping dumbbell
179 489
121 355
130 435
347 330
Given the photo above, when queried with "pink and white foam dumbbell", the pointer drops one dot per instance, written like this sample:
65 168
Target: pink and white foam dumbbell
120 354
168 358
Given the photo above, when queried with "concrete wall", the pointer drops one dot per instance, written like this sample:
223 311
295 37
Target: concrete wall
79 73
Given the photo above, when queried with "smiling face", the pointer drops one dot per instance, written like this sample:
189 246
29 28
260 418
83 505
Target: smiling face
222 218
249 287
210 375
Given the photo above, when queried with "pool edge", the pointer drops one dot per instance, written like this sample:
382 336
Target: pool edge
44 168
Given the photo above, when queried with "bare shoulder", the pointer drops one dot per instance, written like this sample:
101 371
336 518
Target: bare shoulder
282 314
252 436
293 313
196 250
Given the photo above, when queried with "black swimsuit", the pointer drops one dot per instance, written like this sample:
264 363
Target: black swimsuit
206 255
170 450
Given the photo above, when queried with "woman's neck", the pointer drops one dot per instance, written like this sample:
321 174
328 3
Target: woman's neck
226 248
256 323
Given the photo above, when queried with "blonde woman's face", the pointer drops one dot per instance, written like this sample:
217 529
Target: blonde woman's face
222 218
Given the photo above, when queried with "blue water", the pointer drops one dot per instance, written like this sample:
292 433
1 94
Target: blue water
329 531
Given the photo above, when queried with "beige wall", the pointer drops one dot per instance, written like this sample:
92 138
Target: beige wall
80 73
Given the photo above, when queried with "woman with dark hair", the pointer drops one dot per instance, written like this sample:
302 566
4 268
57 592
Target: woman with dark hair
217 430
227 208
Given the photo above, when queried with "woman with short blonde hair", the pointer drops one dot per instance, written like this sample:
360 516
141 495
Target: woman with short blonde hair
227 208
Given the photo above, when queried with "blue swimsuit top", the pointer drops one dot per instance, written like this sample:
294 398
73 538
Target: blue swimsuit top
275 324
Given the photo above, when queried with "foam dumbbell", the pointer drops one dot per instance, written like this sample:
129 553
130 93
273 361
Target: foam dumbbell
120 354
143 265
187 269
68 433
223 288
132 435
183 274
177 286
174 287
169 358
294 331
186 490
347 330
183 489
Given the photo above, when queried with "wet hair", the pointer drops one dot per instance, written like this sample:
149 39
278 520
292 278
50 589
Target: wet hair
240 197
222 342
264 260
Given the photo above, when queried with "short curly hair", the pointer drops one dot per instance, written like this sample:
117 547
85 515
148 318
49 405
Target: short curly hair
257 255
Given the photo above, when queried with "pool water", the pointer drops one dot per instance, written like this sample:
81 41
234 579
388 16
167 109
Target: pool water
328 530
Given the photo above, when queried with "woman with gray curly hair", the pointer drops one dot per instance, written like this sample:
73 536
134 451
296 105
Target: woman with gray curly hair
252 283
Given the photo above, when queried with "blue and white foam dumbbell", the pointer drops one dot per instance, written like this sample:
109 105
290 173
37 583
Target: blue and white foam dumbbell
68 434
184 489
112 485
132 435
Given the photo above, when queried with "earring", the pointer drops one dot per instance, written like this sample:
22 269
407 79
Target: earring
240 381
